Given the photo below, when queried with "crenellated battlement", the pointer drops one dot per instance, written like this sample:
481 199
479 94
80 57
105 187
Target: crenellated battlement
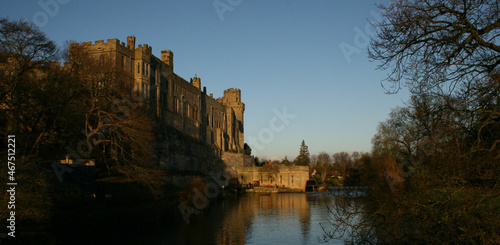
145 48
232 95
97 43
232 90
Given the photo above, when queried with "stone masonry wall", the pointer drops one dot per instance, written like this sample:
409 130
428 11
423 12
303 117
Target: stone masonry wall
235 160
294 177
185 157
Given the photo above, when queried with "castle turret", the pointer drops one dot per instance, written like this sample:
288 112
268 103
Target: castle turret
232 99
131 42
167 56
196 81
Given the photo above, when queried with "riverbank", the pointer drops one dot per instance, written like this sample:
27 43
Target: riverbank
272 190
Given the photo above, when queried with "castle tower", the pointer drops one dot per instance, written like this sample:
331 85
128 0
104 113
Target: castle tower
167 56
232 99
131 42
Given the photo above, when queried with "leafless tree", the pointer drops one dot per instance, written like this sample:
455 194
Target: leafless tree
34 91
116 123
347 220
342 162
437 42
23 48
324 164
271 170
443 142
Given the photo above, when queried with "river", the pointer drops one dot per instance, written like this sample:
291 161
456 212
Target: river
287 218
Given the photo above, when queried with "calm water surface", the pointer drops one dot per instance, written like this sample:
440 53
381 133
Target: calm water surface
292 218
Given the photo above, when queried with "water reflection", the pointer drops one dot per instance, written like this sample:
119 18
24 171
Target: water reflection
252 219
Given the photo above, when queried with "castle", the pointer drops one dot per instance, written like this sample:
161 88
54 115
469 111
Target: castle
177 103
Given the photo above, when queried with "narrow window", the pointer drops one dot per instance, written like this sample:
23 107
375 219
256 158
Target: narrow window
175 104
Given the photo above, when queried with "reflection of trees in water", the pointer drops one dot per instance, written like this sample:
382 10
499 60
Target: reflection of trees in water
347 219
305 222
233 221
278 214
253 219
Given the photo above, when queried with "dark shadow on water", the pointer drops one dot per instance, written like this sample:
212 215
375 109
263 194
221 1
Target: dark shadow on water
292 218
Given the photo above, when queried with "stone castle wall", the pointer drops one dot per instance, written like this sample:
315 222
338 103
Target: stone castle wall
294 177
197 128
180 104
234 161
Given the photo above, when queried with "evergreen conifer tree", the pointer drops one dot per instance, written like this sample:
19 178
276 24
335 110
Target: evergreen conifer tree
303 159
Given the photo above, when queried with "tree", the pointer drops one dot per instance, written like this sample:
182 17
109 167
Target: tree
314 160
324 164
248 150
342 162
34 97
443 143
355 157
271 170
118 126
23 48
303 159
33 93
285 161
433 42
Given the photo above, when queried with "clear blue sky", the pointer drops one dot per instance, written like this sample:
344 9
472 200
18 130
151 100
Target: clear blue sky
281 54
